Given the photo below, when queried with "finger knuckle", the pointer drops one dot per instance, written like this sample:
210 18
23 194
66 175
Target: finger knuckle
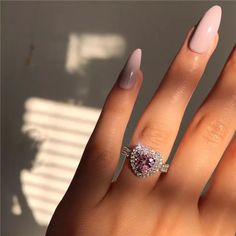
155 135
214 131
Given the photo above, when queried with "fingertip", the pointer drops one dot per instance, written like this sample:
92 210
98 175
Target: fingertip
127 77
213 45
206 30
208 52
191 60
140 75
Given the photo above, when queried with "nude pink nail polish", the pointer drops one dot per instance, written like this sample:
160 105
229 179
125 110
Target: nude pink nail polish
206 30
127 76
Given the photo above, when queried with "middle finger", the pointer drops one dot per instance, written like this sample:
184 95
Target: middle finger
159 124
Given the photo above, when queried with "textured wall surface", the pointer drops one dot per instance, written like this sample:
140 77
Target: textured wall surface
59 60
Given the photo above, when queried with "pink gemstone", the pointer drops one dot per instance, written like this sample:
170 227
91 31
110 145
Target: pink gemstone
144 162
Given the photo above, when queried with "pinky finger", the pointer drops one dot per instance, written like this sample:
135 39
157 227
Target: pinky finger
218 206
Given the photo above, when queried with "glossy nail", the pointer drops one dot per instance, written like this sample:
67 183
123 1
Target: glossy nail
206 30
127 76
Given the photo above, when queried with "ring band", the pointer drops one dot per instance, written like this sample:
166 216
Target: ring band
144 161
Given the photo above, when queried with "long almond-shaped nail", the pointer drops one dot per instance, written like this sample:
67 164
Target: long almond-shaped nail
127 76
206 30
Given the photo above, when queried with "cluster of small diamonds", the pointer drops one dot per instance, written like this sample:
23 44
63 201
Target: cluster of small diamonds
145 161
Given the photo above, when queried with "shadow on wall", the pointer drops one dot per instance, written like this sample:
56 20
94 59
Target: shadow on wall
47 125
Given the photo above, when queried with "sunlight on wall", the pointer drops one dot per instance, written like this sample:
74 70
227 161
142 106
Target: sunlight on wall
16 209
65 130
84 47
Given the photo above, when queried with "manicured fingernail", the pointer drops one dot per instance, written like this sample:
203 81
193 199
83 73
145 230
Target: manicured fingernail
206 30
127 76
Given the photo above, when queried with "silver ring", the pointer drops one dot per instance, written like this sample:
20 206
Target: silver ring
144 161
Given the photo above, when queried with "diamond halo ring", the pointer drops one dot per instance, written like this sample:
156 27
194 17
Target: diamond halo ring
144 161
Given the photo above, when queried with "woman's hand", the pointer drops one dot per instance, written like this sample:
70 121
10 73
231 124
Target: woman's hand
170 204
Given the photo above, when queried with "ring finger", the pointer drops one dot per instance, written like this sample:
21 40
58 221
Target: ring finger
159 124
